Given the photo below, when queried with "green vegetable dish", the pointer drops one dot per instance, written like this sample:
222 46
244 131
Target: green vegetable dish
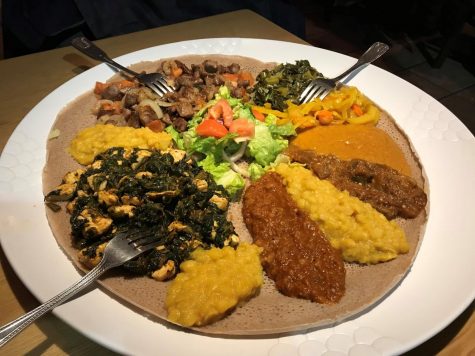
284 82
165 194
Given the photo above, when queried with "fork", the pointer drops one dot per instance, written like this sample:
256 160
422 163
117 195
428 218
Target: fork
155 81
321 87
122 248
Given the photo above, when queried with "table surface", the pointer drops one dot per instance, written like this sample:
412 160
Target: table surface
38 74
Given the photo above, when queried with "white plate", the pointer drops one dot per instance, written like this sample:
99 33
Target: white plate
440 285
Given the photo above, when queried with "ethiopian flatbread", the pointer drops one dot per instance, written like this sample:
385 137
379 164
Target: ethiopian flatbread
270 312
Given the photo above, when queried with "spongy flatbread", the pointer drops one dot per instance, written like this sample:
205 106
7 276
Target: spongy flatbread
270 312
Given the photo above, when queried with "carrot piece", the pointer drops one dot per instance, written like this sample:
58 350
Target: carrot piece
231 77
243 127
176 72
156 125
100 87
325 117
357 109
211 128
246 76
258 115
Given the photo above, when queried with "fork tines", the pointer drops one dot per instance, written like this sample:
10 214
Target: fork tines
143 240
159 85
313 91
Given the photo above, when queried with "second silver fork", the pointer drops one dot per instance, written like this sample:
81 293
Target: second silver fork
321 87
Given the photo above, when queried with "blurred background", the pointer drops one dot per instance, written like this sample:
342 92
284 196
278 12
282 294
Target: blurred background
432 41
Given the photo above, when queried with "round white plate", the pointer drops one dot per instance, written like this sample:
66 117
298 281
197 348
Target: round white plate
440 285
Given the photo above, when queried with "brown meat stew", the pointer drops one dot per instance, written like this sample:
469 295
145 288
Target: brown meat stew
388 191
296 254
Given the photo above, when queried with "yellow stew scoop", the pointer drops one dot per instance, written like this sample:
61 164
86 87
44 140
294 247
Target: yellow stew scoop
91 141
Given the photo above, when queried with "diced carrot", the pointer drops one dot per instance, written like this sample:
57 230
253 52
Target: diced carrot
156 125
243 127
211 128
231 77
115 107
246 76
357 109
258 115
100 87
325 117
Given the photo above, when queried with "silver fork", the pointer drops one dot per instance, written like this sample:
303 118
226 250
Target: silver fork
155 81
122 248
321 87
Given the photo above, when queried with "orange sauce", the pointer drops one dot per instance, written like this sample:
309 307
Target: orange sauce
355 141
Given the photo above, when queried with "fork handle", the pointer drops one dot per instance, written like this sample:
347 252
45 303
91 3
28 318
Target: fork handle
91 50
376 50
10 330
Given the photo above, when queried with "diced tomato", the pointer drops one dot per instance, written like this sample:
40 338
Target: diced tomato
243 127
215 112
211 128
223 110
258 115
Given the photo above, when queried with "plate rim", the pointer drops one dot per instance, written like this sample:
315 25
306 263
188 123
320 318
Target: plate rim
129 58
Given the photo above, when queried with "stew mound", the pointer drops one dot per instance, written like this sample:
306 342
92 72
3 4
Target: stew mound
276 313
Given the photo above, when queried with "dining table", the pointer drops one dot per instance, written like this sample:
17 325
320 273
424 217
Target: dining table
27 79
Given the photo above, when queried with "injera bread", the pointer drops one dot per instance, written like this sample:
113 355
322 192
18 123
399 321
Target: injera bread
270 312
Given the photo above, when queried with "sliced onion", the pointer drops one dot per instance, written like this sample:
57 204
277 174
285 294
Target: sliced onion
164 103
99 104
235 167
153 105
239 152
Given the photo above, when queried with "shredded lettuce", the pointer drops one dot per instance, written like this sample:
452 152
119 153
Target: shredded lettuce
179 142
256 171
262 150
263 147
279 130
223 174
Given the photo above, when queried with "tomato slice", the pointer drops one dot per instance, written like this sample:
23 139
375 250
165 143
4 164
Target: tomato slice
243 127
211 128
222 110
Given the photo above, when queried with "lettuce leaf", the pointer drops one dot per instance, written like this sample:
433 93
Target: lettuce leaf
223 174
279 130
263 147
179 142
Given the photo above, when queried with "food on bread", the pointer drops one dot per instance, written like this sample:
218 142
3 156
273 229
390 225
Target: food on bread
353 227
278 313
94 140
296 254
212 283
388 191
